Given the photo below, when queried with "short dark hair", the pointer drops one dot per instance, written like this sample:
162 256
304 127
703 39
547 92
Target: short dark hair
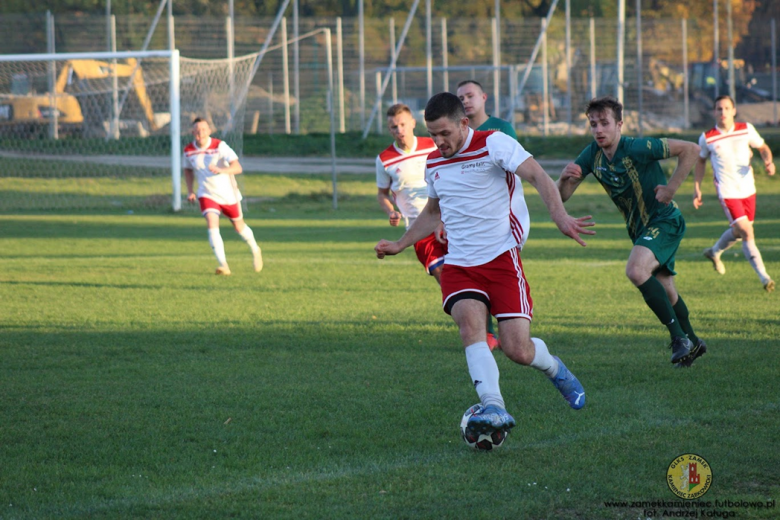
444 104
473 81
721 98
197 120
397 109
599 105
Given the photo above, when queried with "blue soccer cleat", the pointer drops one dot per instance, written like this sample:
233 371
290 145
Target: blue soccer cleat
490 419
569 386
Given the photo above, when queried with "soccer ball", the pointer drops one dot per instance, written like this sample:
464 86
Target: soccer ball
483 442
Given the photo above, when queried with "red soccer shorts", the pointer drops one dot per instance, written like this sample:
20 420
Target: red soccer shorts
740 208
430 252
500 284
231 211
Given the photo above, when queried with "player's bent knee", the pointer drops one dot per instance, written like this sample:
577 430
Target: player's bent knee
518 350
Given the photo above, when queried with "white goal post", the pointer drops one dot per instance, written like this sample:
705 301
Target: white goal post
49 108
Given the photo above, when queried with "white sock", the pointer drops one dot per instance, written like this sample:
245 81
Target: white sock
543 360
726 240
217 245
249 238
484 374
753 256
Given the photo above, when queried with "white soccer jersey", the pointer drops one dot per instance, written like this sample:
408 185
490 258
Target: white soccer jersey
404 173
481 198
220 188
730 155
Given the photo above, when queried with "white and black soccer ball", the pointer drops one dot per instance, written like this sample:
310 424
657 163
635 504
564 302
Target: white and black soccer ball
480 442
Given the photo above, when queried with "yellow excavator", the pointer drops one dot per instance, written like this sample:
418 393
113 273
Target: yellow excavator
30 107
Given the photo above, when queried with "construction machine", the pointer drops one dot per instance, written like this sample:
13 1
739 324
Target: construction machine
81 100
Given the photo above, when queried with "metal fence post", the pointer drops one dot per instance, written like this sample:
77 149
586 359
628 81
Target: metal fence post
686 102
593 79
445 62
286 78
640 107
340 72
394 84
52 66
774 73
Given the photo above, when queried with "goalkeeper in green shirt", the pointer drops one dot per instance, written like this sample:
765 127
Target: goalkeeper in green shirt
473 98
628 170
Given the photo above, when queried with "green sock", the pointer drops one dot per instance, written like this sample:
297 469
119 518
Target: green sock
656 298
681 310
490 327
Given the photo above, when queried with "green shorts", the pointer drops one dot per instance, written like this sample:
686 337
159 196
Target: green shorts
663 238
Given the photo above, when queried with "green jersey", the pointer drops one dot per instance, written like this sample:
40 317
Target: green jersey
630 179
494 123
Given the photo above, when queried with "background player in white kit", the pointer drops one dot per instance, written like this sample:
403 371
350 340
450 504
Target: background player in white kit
472 187
727 145
213 163
400 180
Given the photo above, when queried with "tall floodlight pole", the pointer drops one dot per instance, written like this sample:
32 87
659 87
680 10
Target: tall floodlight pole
716 47
621 40
639 63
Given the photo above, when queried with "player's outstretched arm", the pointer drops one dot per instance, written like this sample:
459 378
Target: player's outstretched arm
687 153
570 226
424 225
698 176
570 179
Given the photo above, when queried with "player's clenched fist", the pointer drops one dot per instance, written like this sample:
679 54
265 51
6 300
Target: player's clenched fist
385 247
571 171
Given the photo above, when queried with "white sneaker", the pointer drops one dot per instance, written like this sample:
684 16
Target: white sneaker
717 264
223 270
257 260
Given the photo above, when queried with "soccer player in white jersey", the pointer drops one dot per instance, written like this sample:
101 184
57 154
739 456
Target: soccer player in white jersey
213 163
471 188
727 145
400 180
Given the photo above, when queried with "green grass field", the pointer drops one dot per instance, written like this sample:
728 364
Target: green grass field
136 384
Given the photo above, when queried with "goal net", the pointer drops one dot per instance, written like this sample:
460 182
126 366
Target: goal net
105 130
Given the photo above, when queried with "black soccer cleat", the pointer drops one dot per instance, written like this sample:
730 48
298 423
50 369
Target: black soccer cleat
682 349
698 350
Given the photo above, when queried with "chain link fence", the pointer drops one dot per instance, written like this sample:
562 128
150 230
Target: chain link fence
675 54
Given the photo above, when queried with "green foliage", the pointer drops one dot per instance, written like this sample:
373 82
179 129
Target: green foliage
136 384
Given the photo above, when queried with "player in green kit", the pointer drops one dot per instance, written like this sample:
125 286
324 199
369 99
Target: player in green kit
473 98
628 170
